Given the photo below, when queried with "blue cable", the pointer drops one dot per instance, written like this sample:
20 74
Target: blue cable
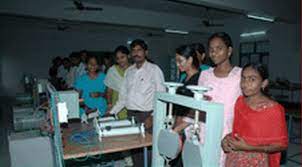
83 138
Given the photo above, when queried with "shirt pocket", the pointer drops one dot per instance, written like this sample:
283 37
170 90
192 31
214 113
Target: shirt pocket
145 84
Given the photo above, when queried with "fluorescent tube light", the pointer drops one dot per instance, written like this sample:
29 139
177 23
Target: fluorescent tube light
129 42
256 33
263 18
176 31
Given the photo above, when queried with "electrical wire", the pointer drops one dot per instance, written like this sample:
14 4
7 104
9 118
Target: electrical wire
81 138
85 138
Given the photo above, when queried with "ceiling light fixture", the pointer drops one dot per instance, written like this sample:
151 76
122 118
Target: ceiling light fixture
256 33
176 31
262 18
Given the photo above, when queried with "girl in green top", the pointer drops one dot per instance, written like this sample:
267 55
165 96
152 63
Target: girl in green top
115 77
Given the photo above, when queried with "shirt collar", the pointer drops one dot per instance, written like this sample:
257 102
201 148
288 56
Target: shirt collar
144 66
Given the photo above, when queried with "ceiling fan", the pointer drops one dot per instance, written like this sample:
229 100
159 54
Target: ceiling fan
208 22
62 27
151 34
79 5
56 26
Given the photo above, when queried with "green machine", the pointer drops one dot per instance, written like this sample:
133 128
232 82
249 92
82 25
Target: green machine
194 153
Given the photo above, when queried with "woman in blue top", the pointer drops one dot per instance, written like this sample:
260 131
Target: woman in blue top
92 88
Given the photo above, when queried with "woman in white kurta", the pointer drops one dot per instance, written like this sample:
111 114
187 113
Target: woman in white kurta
115 78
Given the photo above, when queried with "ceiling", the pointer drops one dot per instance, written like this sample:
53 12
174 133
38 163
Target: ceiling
169 6
140 14
134 14
217 10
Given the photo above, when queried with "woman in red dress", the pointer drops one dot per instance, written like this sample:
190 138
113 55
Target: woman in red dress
259 130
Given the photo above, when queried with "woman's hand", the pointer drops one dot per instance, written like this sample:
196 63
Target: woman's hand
239 144
177 129
180 125
97 94
109 106
225 143
89 110
207 98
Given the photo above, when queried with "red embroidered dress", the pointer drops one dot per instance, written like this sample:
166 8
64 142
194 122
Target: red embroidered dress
262 127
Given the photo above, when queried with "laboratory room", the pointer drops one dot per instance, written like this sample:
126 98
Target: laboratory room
141 83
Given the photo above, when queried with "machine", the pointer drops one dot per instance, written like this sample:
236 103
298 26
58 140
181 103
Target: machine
195 153
108 127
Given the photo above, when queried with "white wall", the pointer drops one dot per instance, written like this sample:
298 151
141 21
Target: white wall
285 53
29 49
284 60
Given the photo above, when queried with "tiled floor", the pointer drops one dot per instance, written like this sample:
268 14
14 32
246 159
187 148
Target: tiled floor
6 126
293 154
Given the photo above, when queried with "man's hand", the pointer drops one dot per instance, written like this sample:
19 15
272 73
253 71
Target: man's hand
107 114
149 122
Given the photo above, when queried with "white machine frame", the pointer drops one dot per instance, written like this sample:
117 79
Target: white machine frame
213 126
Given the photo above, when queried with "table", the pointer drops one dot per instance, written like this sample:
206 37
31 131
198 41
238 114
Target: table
108 145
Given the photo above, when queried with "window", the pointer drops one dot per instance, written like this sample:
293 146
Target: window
254 52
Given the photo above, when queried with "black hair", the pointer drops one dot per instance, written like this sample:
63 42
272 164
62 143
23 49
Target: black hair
74 55
142 44
260 68
108 57
57 60
225 37
97 61
123 49
262 71
66 62
188 51
139 42
92 57
83 51
66 59
53 72
198 47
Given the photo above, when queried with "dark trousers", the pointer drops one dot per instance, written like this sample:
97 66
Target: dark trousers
138 155
140 117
